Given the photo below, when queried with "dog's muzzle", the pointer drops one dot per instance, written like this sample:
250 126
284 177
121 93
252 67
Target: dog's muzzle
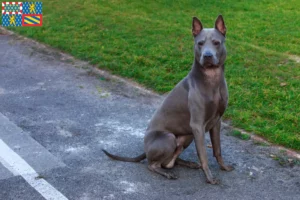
208 59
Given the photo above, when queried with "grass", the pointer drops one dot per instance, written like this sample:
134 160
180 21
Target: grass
284 160
240 135
258 143
151 43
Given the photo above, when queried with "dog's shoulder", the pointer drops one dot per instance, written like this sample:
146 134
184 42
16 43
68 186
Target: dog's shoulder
185 84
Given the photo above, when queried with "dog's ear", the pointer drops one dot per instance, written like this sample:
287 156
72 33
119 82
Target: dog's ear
197 26
220 25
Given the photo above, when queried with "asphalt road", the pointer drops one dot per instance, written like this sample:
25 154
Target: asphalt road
56 115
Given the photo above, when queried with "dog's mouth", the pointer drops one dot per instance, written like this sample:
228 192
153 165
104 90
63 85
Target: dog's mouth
209 63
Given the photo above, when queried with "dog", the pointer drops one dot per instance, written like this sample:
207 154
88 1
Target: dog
194 106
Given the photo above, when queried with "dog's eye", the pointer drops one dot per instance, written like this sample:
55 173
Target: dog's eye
200 43
216 43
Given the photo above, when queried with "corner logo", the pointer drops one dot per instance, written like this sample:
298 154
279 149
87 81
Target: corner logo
22 14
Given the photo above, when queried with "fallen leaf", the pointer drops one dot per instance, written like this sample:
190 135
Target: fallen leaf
209 146
283 84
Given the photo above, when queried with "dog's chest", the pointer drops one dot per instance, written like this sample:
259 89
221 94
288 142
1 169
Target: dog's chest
213 76
214 109
215 103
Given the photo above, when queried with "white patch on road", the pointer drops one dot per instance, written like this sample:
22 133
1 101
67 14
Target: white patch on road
109 197
109 143
77 149
137 187
2 91
62 126
105 94
128 187
85 196
121 128
64 133
13 162
41 83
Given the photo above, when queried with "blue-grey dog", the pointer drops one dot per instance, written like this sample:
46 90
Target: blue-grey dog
192 108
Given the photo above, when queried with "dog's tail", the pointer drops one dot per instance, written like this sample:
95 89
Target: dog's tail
126 159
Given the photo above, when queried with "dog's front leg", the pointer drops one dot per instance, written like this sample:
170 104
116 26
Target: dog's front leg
216 144
197 112
201 150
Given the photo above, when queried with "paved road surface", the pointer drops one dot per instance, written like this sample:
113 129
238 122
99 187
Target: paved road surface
56 116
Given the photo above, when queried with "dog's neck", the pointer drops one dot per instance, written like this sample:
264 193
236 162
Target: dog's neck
210 76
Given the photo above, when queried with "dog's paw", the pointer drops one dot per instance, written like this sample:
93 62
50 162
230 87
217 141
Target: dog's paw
213 181
227 168
171 175
193 165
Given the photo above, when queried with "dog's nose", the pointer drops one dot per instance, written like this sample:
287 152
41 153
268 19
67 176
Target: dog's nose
207 54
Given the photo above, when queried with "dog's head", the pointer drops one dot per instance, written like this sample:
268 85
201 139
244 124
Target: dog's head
210 49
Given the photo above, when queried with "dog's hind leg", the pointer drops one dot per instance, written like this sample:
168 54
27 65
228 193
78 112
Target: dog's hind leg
156 167
160 148
188 164
182 143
